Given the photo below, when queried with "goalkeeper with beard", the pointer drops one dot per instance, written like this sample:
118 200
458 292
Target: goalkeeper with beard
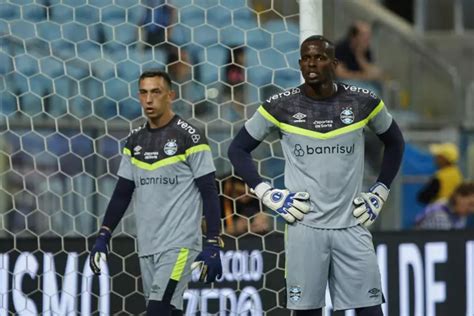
167 166
321 127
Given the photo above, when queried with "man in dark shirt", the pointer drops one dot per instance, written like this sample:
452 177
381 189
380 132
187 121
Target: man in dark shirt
355 58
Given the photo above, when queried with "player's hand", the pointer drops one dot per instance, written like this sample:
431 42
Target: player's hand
290 205
100 250
209 260
368 204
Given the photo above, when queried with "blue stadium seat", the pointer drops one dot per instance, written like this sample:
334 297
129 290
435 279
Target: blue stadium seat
33 12
74 32
245 19
135 14
272 59
88 50
52 67
275 26
286 42
116 89
208 73
113 15
60 13
216 55
87 15
205 35
6 63
26 65
233 4
10 11
48 30
41 85
218 17
22 29
259 39
232 36
287 78
180 34
126 33
259 75
192 16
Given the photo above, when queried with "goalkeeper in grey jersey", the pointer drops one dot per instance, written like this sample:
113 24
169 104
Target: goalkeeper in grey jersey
167 166
321 127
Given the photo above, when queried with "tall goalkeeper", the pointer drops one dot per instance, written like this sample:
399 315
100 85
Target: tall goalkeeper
167 165
321 127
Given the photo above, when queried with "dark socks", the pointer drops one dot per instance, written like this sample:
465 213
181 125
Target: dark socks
369 311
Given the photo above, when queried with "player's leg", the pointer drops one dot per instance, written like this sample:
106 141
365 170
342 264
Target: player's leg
354 281
155 308
176 312
172 272
306 271
310 312
369 311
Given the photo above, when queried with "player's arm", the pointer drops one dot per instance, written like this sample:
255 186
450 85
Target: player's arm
368 204
291 206
209 261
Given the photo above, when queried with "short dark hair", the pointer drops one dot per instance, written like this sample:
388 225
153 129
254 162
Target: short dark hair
151 73
463 190
320 38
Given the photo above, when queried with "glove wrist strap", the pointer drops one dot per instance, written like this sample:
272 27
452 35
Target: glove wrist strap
105 233
261 189
381 190
215 241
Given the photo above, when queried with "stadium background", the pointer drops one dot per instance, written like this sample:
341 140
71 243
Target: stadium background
68 97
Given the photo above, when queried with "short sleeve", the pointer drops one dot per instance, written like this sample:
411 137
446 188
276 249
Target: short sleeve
261 123
126 169
380 119
199 156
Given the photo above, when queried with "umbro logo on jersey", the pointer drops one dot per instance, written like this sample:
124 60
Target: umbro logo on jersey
374 292
299 118
137 150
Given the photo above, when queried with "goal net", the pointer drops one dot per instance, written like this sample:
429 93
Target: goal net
68 87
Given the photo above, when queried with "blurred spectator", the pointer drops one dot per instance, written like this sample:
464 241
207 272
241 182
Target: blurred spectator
247 210
448 176
179 67
449 214
356 65
234 73
156 21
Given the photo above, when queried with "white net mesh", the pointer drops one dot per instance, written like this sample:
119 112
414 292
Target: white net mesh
68 86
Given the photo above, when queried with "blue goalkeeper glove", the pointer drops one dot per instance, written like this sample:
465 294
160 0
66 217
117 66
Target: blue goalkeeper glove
209 260
100 250
369 204
291 206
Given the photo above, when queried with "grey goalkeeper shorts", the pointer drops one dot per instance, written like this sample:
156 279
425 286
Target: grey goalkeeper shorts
166 275
343 259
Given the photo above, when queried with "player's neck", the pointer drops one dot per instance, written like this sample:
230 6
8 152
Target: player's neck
161 121
320 91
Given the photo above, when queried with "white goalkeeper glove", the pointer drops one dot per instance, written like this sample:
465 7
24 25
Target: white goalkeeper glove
290 206
368 204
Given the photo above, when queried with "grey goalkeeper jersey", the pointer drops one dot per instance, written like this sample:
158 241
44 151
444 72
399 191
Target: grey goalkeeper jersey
323 146
167 204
